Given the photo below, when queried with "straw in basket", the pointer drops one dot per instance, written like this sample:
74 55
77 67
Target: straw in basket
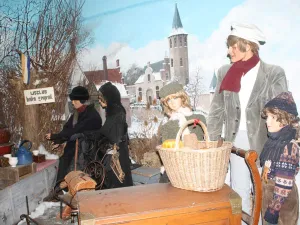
202 170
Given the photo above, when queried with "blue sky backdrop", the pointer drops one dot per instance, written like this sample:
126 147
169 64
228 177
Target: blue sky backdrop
136 31
137 22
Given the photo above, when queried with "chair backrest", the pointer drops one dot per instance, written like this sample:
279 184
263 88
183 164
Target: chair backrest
95 167
96 171
250 158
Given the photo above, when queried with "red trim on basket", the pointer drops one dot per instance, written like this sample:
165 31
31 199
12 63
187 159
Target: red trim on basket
195 122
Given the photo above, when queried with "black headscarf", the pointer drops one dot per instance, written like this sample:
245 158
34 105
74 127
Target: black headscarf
112 97
275 144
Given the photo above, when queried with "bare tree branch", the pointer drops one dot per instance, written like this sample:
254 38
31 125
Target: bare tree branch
195 88
51 33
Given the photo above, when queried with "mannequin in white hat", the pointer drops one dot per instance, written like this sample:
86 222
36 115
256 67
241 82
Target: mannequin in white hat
242 90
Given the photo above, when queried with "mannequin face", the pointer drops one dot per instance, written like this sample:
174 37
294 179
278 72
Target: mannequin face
76 104
272 124
103 104
102 101
236 54
174 102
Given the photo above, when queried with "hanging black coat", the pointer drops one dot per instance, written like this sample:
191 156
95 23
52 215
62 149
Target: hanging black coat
87 120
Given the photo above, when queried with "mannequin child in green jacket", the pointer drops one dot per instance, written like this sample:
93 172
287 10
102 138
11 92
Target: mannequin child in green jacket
176 105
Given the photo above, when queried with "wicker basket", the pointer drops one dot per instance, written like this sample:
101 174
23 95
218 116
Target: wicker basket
202 170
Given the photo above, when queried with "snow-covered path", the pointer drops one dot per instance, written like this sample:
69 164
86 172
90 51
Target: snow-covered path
45 214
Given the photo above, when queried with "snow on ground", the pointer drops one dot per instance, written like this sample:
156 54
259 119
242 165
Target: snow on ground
40 210
48 155
46 213
143 123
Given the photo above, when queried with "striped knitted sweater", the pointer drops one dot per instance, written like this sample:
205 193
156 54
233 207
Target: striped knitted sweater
283 172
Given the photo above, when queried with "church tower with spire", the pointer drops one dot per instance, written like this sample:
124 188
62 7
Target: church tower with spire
178 48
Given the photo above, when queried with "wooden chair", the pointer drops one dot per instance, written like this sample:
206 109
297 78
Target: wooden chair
95 170
250 158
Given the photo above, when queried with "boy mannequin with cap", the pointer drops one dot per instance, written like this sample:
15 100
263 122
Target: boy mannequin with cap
84 118
280 162
243 88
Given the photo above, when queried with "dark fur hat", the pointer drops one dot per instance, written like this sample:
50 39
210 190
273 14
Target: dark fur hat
79 93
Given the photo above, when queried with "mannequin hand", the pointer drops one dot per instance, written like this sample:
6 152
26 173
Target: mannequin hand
48 136
265 174
54 146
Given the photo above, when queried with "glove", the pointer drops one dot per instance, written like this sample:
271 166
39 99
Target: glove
76 136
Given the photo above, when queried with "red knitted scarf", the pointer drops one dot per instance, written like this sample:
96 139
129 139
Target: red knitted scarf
81 108
232 79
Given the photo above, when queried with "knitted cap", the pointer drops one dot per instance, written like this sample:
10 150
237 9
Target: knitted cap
171 88
79 93
285 102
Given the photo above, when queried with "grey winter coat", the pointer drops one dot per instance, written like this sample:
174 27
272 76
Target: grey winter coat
225 106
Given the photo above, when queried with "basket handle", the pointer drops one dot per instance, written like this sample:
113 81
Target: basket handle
192 121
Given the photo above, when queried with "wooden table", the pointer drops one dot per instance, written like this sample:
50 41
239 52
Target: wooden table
159 204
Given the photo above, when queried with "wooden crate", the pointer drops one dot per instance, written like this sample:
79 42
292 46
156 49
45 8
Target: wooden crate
4 162
11 175
159 204
39 158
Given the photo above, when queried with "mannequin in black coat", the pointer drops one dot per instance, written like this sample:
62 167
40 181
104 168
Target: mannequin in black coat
115 131
84 118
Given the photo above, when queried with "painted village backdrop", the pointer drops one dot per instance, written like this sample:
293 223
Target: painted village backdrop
138 45
146 44
49 46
